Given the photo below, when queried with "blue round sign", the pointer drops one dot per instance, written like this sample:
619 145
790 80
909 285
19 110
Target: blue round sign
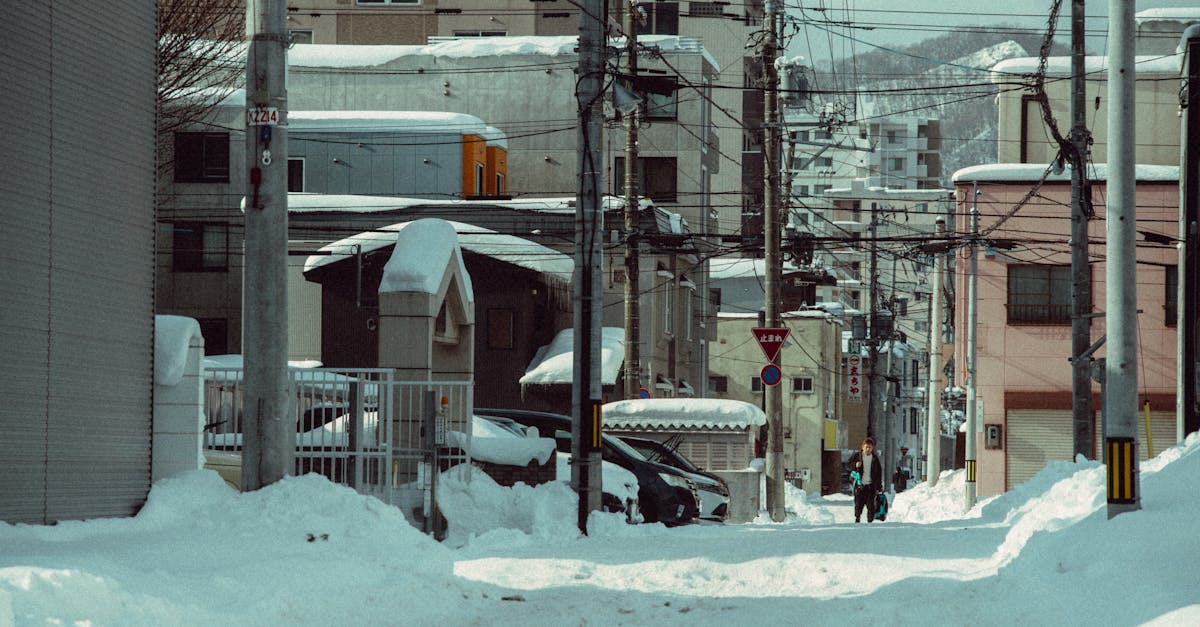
643 393
771 374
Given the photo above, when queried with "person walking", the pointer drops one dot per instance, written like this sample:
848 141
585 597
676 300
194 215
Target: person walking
900 479
866 472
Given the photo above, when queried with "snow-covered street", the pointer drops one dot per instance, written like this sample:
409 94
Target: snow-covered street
307 552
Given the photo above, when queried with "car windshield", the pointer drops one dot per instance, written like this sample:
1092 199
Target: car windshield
622 446
659 452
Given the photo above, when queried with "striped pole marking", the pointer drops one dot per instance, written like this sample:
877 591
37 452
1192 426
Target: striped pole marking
970 471
1121 457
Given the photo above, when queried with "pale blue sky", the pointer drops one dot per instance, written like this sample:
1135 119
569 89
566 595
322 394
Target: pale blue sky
883 23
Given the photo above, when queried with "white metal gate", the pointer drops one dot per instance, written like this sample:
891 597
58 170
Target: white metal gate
361 428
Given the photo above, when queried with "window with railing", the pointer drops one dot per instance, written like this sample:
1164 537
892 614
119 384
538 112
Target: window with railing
1039 294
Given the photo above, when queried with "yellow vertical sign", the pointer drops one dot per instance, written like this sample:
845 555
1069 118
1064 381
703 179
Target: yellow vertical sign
970 471
596 426
1121 452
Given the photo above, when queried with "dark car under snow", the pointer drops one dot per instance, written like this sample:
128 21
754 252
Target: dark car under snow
665 494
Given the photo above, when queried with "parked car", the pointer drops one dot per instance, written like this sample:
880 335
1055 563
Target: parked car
713 491
620 492
665 494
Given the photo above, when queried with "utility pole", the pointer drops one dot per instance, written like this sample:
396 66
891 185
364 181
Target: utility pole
873 378
269 430
772 395
1121 361
972 323
585 387
933 434
633 375
1081 276
1187 403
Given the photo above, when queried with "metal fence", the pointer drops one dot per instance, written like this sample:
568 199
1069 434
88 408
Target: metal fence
361 428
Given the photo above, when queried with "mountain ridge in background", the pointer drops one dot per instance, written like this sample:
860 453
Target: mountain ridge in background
947 78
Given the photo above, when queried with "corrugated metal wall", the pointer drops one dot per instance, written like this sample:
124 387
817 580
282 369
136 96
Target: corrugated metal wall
1037 436
77 250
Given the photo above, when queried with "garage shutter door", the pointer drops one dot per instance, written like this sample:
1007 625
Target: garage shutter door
1162 432
1035 437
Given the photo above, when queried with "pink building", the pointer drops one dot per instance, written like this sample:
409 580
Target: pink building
1023 336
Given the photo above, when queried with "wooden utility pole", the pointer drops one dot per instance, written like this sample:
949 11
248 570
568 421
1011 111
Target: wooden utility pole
772 395
1081 275
585 388
269 430
633 381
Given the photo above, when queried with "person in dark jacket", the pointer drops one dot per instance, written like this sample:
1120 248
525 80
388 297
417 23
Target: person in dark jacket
870 472
900 479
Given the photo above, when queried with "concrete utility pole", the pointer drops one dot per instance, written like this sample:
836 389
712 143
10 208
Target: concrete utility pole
1081 276
972 455
586 396
772 395
269 430
633 375
933 445
1120 398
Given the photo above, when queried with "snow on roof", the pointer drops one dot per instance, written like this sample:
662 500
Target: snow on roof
508 248
172 336
1143 64
554 362
682 413
382 121
308 202
741 268
418 262
1028 172
351 56
1168 14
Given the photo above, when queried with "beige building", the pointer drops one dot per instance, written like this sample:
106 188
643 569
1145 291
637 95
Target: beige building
722 29
814 431
1023 135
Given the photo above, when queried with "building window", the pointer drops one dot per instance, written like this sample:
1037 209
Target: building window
216 335
480 33
301 36
479 174
1039 294
1171 297
295 174
199 247
756 384
718 384
656 178
896 164
824 162
802 385
201 157
499 184
819 190
914 420
500 329
705 9
662 18
915 379
661 106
